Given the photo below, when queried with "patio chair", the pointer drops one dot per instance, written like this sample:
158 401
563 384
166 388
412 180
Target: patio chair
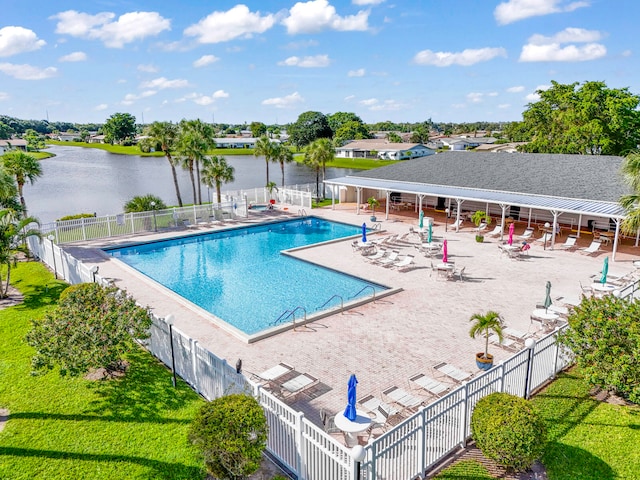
328 422
456 273
515 334
403 398
569 243
587 290
431 385
546 238
592 249
296 386
526 235
496 232
457 224
371 404
506 342
403 264
454 373
272 374
389 259
378 255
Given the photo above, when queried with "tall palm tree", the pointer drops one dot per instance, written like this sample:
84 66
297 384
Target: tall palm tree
265 147
195 139
316 155
631 202
282 155
13 231
164 134
215 172
23 167
483 325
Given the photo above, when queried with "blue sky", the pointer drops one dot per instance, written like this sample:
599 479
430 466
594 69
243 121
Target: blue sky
269 61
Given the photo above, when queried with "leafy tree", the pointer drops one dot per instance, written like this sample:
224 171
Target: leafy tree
267 148
484 325
194 140
215 172
351 131
5 131
257 129
231 432
119 127
316 155
393 137
508 430
310 126
23 167
420 134
338 119
282 155
143 203
35 141
163 136
604 336
591 119
84 135
13 231
91 327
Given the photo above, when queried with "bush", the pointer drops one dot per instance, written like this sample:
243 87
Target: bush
144 203
604 336
75 217
508 430
231 433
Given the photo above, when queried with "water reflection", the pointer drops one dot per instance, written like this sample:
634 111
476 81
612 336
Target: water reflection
88 180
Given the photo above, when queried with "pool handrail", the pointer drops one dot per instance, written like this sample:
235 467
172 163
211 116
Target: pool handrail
332 297
364 288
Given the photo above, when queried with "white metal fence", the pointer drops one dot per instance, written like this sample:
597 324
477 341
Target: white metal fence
407 451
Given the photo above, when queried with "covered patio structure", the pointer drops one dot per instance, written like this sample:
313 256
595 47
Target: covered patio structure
576 192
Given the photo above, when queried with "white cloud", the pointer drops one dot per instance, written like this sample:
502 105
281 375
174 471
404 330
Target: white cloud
128 28
387 106
348 98
549 49
102 106
504 106
367 2
316 61
475 97
162 83
238 22
465 58
369 102
129 98
73 57
300 45
627 53
27 72
209 99
534 97
514 10
14 40
205 60
492 94
516 89
147 68
318 15
356 73
4 96
288 101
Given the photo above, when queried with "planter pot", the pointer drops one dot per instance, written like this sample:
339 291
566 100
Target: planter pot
479 238
484 363
373 218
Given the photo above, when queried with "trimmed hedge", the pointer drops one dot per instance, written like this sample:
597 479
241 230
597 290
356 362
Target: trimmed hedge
508 430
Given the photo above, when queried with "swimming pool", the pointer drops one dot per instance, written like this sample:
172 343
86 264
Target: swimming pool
242 276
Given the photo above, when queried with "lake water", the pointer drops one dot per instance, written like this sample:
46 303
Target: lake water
88 180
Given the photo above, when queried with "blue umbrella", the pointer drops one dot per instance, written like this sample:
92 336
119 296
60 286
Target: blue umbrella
429 233
605 270
421 221
364 233
350 411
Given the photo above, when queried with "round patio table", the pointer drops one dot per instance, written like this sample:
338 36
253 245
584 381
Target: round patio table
352 428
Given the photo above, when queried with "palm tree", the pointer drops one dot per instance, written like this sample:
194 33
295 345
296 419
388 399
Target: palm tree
164 134
215 172
631 202
484 324
283 155
23 167
316 155
265 147
13 232
195 139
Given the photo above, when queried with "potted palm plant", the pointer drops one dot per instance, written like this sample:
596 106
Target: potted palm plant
373 203
479 217
484 325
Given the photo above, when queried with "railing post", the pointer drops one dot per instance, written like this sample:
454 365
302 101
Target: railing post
109 225
301 465
502 377
133 226
422 441
465 410
194 368
84 232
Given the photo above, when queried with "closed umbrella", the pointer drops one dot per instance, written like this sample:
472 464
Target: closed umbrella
350 411
510 240
429 233
605 270
421 220
547 298
364 233
444 251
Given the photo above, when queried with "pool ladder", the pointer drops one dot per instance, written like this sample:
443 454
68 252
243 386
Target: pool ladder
302 212
288 313
364 288
332 297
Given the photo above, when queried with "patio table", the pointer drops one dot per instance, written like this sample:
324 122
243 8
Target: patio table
351 428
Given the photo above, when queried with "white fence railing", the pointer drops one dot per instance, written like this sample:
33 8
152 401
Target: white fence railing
405 452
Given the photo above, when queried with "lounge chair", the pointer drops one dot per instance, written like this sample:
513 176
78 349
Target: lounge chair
273 374
404 263
456 273
496 232
371 404
392 257
403 398
526 235
297 385
378 255
457 224
432 386
546 238
592 249
452 372
569 243
515 334
506 342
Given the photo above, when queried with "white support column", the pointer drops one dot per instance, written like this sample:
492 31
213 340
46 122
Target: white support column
504 209
553 228
529 220
420 198
579 225
615 239
388 196
333 197
358 199
458 212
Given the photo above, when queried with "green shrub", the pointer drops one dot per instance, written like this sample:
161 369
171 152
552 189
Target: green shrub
508 430
77 216
231 433
144 203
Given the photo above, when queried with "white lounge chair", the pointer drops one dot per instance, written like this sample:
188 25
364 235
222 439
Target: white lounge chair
506 342
593 248
570 243
392 257
403 398
528 232
496 232
378 255
456 225
297 385
273 374
431 385
404 263
452 372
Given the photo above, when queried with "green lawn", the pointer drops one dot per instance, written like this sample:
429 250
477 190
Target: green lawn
588 439
64 428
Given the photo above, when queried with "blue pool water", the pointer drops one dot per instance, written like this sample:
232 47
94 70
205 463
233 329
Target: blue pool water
241 276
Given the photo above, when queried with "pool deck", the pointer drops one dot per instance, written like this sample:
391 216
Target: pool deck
387 341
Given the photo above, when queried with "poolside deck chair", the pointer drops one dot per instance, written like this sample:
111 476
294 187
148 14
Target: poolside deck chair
371 404
389 259
378 255
546 238
592 249
496 232
328 422
296 386
506 342
526 235
570 243
431 385
403 264
457 225
403 398
515 334
452 372
273 374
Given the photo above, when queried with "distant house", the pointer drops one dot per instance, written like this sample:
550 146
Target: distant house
96 139
235 142
67 137
12 144
382 150
511 147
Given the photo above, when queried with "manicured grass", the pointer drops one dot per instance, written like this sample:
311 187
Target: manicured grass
72 428
589 439
41 155
135 150
465 470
